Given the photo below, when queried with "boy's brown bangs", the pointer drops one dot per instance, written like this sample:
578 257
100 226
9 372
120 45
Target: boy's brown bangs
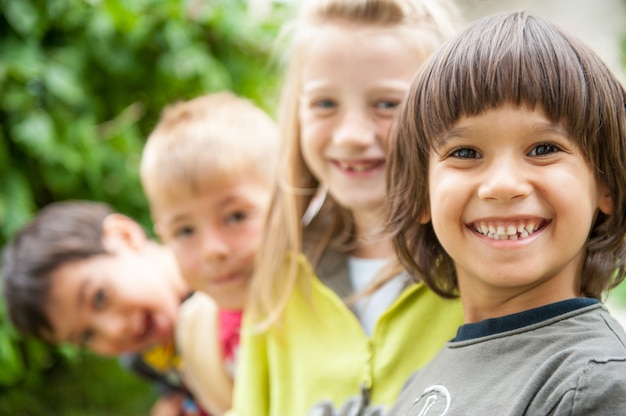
477 74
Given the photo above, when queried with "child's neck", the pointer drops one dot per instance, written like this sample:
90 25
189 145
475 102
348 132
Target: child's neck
374 250
495 306
373 243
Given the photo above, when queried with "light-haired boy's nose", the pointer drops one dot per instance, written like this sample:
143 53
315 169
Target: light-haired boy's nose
214 248
356 128
504 180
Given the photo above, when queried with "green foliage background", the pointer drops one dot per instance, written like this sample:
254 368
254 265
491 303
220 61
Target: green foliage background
82 83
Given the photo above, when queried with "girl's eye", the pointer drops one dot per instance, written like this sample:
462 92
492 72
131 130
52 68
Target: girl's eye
466 153
325 104
387 105
543 149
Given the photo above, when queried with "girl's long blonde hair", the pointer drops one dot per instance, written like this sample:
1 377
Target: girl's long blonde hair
427 23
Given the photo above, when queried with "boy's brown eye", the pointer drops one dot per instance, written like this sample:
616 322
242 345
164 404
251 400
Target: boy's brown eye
98 299
85 338
466 153
543 149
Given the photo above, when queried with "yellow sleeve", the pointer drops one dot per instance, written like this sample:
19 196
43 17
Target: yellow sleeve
251 397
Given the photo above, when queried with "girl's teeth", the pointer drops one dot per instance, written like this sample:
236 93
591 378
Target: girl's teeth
357 167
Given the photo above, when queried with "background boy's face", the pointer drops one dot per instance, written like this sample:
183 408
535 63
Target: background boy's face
214 235
512 201
112 304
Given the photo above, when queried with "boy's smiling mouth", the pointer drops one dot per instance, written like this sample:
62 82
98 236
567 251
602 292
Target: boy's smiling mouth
508 230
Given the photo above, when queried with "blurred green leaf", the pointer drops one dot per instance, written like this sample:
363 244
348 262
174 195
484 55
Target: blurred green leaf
22 16
36 133
63 84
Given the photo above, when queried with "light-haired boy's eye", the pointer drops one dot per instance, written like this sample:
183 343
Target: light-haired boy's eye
466 153
184 232
544 149
236 217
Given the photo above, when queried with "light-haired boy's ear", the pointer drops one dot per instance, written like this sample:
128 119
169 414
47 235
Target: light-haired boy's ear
121 232
605 204
158 230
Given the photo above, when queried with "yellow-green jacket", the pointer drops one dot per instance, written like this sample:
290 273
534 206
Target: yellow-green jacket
319 356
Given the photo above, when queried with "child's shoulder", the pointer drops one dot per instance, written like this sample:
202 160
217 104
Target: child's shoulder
198 342
198 312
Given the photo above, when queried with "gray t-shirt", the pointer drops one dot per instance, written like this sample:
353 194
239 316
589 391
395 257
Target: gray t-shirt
567 358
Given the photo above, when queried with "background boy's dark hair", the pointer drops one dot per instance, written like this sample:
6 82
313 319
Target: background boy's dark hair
59 233
522 60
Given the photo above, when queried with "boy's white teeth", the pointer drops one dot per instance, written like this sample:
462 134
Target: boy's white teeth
507 231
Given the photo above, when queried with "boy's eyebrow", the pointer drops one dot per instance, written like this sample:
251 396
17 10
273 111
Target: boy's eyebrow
453 133
537 128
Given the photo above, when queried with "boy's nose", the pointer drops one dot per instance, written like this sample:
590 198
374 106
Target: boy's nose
111 330
214 248
504 180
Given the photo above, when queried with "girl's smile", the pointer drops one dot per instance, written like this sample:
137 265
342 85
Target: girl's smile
367 166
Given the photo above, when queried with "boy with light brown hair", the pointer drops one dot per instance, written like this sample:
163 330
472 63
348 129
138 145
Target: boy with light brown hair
208 170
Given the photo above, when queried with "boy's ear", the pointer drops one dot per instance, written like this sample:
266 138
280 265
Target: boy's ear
605 203
121 232
425 217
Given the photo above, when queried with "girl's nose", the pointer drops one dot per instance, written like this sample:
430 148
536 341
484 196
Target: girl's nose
504 180
356 129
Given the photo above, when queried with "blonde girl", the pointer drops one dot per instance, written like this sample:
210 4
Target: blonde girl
309 345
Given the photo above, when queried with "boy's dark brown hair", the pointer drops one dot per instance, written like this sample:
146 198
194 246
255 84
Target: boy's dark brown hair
60 233
525 61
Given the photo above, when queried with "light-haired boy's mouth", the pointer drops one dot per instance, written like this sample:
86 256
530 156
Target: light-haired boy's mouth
509 230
